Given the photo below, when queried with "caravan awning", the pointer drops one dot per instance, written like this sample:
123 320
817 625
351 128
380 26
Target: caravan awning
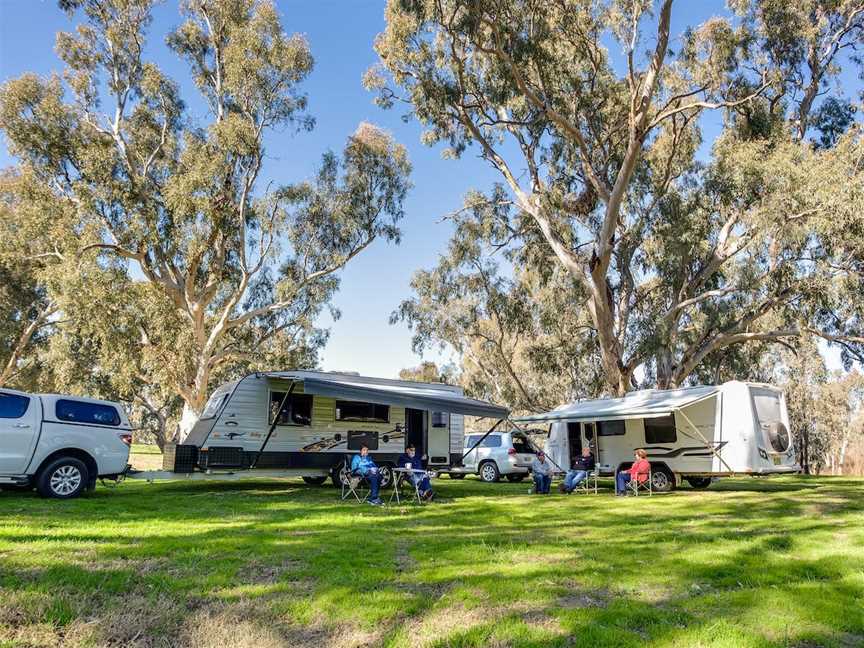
426 398
641 404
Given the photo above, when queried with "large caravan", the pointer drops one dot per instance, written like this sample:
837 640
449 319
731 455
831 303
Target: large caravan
305 423
695 433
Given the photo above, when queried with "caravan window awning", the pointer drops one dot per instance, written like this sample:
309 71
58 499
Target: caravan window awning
437 400
640 404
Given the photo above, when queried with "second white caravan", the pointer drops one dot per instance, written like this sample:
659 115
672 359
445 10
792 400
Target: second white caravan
693 434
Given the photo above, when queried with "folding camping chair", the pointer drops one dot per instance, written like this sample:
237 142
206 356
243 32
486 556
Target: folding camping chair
647 486
352 483
589 484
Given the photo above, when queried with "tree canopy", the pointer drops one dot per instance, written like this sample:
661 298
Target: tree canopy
593 113
204 272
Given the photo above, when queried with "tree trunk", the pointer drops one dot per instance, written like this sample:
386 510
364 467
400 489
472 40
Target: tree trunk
191 414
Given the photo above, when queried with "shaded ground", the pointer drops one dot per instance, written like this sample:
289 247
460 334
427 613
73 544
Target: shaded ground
277 563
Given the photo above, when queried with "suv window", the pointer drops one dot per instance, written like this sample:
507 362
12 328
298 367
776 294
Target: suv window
89 413
660 430
492 441
520 444
13 406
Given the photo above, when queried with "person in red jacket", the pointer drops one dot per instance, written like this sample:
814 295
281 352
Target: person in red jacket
640 471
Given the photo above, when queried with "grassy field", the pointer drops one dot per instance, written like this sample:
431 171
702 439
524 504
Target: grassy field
267 563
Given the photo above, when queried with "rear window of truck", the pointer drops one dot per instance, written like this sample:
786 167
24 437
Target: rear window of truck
87 413
13 406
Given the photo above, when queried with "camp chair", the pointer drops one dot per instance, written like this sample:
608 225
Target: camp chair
352 483
589 484
635 485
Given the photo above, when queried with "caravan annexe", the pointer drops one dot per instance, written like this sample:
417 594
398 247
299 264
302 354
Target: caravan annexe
694 433
304 423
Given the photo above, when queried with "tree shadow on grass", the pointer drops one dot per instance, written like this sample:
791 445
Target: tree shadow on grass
313 562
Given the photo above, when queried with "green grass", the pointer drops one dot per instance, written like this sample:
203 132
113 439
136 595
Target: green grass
749 562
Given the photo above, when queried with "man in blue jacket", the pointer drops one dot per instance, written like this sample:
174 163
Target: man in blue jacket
420 480
363 466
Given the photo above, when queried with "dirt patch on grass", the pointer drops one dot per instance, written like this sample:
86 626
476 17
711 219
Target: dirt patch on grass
250 625
255 573
443 621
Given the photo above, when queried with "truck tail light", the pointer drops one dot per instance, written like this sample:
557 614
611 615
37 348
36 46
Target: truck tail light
511 451
126 438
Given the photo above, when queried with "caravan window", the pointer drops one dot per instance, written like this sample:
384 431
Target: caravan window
610 428
440 419
217 400
660 430
359 411
297 409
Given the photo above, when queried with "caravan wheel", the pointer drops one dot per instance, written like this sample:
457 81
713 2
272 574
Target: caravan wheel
386 473
699 482
662 481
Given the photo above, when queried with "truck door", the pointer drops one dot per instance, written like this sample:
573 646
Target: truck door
470 460
19 430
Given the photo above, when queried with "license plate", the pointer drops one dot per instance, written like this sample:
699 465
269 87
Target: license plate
777 460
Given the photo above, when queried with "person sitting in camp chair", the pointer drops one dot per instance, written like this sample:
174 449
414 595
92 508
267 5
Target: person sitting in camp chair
420 481
542 471
579 473
640 471
363 466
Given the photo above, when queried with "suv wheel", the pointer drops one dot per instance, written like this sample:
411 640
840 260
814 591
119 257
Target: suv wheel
314 481
517 477
489 472
662 480
63 478
699 482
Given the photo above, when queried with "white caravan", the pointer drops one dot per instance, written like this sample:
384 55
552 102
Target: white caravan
61 444
306 423
694 433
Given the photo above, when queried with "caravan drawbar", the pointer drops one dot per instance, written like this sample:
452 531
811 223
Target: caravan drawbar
305 423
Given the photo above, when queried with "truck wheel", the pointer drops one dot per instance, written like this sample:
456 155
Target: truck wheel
517 477
489 472
63 478
699 482
662 481
314 481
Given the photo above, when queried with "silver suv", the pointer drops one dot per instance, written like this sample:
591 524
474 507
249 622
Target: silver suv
501 453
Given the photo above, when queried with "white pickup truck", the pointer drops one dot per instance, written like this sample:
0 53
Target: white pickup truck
61 444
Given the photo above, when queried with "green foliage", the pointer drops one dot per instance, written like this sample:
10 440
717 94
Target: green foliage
674 263
234 276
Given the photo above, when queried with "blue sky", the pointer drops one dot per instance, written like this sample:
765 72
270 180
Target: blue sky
340 33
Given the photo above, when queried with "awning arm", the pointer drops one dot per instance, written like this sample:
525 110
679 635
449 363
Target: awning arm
531 443
480 440
273 425
708 444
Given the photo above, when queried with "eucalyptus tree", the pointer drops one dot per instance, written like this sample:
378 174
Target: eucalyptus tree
176 196
676 261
